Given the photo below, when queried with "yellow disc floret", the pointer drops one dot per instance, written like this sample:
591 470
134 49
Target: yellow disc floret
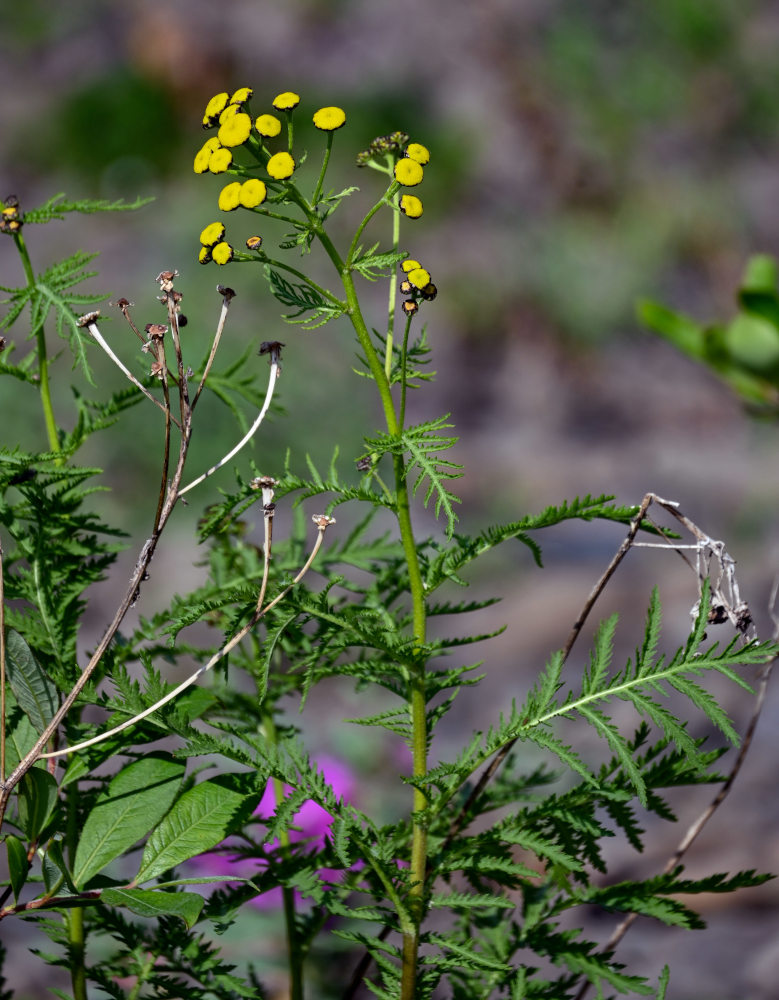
253 193
229 196
242 95
222 253
213 109
236 130
268 125
329 119
280 166
286 101
212 234
411 206
419 277
220 160
417 152
203 155
408 172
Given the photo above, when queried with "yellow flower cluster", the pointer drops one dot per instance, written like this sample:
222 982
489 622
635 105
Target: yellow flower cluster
409 172
213 245
416 284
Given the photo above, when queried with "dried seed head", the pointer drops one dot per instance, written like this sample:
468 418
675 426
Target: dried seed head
156 331
157 369
165 279
225 292
88 318
322 521
364 464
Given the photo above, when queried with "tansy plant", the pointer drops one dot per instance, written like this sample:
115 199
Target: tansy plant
143 818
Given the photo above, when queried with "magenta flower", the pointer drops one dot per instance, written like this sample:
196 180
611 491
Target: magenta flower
311 823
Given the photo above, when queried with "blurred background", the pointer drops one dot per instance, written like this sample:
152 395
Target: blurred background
582 156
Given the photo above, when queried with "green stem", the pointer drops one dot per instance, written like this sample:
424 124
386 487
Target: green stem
43 363
323 171
417 691
74 919
393 294
294 951
404 381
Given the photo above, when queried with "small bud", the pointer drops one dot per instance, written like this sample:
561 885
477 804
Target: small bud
405 287
429 292
182 320
365 464
410 307
254 243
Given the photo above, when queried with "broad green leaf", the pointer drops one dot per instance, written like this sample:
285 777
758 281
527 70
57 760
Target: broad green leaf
37 799
18 866
201 818
55 855
19 741
132 804
35 692
152 903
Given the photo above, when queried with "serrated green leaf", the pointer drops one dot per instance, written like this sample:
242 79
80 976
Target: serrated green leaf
201 818
152 903
37 800
18 866
132 804
35 692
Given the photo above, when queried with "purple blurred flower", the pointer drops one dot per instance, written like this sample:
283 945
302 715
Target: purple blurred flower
311 823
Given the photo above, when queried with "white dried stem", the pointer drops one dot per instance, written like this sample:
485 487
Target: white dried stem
274 372
322 524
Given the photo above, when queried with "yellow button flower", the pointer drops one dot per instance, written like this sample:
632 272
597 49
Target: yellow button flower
286 101
268 125
204 257
203 155
213 109
408 172
220 160
212 234
242 95
416 151
253 193
235 131
329 119
222 253
280 166
409 265
229 197
411 206
419 277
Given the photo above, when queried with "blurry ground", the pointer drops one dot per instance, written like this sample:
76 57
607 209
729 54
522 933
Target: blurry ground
583 156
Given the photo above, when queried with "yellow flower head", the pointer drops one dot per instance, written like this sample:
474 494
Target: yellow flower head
417 152
408 172
241 96
203 155
419 277
411 206
329 119
286 101
213 109
253 193
220 160
222 253
268 125
409 265
235 131
212 234
204 257
280 166
229 196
